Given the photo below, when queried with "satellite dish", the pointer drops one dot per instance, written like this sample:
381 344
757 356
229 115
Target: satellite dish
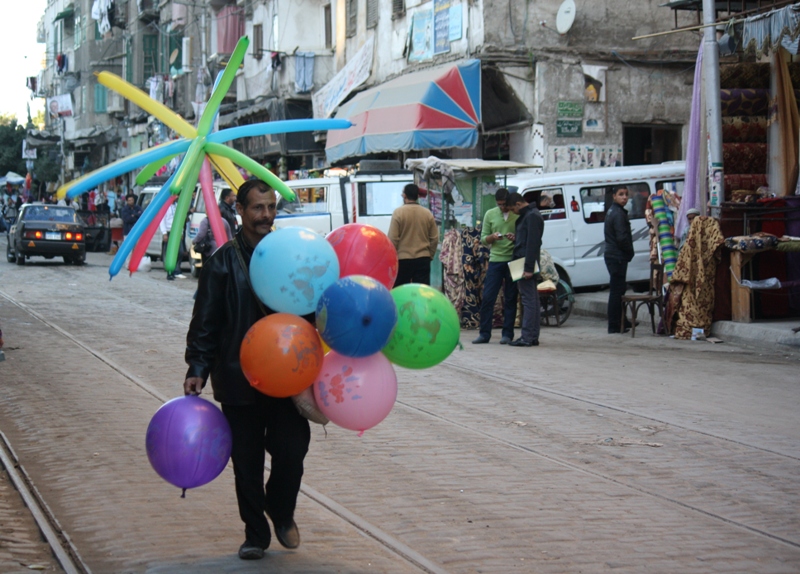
566 16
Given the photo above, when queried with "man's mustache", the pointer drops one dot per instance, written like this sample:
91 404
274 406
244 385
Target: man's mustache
260 221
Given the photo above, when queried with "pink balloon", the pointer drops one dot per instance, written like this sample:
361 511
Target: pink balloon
144 240
212 209
356 393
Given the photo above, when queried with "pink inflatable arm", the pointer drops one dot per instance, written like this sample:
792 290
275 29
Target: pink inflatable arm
144 241
212 209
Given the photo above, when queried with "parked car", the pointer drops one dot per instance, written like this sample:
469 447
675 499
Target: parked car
574 211
47 231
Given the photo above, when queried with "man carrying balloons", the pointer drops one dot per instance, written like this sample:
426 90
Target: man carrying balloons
225 309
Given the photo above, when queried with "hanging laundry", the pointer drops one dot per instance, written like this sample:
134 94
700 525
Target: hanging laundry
276 60
100 12
61 63
304 72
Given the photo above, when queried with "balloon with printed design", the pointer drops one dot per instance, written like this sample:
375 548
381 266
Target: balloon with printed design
281 355
291 267
356 393
365 250
427 329
356 315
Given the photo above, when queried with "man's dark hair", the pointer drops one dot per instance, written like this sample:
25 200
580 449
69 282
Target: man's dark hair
501 194
225 193
130 195
244 190
411 191
514 198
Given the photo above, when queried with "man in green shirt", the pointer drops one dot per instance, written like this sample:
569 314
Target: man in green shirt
497 223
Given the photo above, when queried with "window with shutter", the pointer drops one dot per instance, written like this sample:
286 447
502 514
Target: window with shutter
352 17
100 99
328 27
372 13
398 8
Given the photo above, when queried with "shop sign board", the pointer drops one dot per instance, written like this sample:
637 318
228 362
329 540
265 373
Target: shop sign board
569 128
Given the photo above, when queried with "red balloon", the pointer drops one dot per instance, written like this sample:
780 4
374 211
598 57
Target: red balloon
364 250
281 355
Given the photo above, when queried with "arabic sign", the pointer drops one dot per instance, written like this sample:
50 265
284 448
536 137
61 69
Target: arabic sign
422 36
569 128
570 109
441 26
455 23
354 73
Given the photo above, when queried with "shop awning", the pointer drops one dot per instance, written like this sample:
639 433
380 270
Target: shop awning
432 109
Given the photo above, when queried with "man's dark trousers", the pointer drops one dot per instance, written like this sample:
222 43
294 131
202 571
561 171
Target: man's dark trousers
496 273
414 271
531 310
285 435
617 272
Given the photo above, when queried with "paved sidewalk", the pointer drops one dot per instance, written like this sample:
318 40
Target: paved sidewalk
773 334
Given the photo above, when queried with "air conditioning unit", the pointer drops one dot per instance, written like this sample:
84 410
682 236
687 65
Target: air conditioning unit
115 103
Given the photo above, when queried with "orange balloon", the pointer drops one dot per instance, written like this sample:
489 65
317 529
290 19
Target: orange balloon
281 355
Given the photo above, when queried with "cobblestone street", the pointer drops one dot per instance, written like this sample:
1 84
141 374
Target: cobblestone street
590 453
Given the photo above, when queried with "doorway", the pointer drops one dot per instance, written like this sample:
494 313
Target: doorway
651 144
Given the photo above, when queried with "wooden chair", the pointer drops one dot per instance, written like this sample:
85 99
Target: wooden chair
653 298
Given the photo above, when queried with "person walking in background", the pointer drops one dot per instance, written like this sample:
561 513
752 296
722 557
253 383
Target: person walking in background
226 210
618 253
165 227
205 243
130 214
527 238
497 223
415 236
224 310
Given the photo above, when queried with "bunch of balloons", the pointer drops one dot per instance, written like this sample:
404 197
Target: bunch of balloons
201 150
362 326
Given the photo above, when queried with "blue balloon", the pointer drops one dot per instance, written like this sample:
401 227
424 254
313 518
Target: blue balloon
290 269
277 127
356 316
138 228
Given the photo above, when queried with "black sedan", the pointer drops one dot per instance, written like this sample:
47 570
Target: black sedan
47 231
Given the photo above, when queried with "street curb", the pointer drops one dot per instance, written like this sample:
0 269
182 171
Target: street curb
755 334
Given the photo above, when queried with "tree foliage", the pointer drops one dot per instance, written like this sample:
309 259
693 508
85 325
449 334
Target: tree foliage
11 136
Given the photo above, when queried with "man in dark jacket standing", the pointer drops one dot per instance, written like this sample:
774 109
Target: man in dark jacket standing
527 239
129 214
224 311
618 253
226 201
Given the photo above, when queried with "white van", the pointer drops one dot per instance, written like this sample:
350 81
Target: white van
194 220
575 207
323 204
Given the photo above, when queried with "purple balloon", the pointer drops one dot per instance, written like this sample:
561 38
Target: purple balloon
188 442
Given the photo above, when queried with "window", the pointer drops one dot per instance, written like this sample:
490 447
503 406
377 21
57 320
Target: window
328 27
398 8
100 99
97 34
150 51
174 52
275 33
258 41
352 17
372 13
380 197
595 201
309 200
84 107
48 213
78 30
550 202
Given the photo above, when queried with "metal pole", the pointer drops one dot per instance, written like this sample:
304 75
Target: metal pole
713 113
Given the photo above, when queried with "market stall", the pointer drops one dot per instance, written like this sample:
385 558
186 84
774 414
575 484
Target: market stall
459 192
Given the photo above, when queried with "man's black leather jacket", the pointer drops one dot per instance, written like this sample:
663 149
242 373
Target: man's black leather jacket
224 311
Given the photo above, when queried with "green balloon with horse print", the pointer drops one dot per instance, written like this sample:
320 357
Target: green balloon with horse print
427 328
